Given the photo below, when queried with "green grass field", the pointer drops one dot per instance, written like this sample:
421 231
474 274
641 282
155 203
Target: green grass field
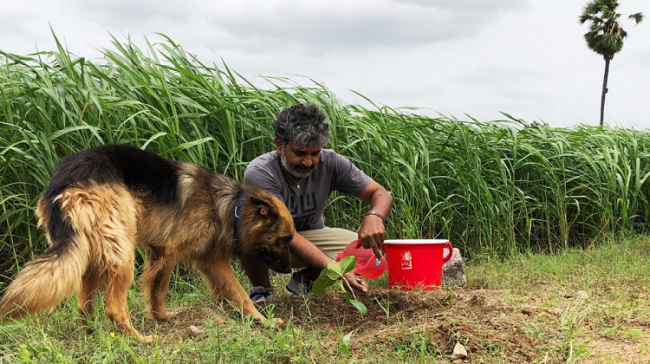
491 187
535 209
579 306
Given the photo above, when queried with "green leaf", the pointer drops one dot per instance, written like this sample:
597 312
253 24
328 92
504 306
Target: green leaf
71 129
321 283
359 306
347 264
154 137
188 145
333 271
345 344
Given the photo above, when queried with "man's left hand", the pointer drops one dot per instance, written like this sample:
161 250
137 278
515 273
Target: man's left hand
356 283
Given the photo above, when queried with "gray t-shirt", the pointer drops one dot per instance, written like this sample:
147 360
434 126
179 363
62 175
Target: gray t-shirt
307 202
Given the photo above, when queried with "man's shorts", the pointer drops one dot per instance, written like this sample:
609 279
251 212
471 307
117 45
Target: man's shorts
330 241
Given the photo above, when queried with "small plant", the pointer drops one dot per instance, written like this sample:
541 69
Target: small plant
344 349
385 307
333 273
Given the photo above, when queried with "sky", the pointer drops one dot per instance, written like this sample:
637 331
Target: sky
458 58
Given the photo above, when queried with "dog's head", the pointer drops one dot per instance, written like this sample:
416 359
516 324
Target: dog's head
266 228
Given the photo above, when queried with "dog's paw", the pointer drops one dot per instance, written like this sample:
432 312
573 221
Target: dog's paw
147 339
164 316
271 322
274 322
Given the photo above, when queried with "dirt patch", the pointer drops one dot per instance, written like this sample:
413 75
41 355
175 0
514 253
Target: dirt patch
480 320
493 325
611 351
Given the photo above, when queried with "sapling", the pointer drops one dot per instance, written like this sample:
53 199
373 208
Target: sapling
334 273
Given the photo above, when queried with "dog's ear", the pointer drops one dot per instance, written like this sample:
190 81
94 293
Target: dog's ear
263 211
262 206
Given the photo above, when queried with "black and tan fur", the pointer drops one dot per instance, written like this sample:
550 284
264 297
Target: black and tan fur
103 202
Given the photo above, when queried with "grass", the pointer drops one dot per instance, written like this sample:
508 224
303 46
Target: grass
615 265
503 191
569 307
491 187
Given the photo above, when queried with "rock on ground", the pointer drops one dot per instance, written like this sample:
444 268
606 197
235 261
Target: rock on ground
459 352
453 272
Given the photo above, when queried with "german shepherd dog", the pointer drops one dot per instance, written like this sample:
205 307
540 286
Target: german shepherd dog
103 202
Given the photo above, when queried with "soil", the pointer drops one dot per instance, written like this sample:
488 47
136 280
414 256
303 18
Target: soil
491 324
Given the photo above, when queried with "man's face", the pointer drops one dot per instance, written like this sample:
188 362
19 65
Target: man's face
298 162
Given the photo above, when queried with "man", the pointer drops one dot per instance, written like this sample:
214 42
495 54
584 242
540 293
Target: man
303 175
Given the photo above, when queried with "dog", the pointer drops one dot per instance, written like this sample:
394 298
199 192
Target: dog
103 202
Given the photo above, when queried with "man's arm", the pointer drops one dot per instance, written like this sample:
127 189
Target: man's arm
308 253
372 232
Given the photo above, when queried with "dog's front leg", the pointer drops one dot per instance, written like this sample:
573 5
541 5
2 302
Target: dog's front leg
223 283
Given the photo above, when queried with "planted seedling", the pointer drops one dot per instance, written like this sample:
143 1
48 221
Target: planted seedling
334 273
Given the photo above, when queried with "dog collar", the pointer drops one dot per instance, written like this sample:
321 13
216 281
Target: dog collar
235 223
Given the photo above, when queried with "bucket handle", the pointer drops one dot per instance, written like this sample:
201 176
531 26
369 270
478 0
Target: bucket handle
451 251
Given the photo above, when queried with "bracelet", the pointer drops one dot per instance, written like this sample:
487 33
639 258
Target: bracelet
373 212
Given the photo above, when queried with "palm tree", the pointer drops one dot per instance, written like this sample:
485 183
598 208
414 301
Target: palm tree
605 35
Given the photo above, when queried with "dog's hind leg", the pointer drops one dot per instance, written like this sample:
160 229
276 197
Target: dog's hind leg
89 286
117 289
115 215
155 284
223 283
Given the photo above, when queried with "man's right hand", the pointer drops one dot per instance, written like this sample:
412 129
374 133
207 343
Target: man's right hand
372 234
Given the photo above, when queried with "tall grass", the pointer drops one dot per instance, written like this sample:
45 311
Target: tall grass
491 187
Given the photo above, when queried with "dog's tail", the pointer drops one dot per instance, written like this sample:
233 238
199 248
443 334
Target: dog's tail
53 276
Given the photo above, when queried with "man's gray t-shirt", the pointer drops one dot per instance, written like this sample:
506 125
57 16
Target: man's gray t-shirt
307 199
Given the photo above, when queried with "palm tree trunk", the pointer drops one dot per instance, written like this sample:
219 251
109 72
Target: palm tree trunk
602 100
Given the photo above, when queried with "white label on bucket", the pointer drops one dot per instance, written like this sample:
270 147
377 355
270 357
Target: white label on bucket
407 262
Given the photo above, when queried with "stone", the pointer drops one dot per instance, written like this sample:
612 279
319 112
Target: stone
195 331
453 271
459 352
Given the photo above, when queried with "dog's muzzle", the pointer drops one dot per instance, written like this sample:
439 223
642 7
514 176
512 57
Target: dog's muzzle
278 262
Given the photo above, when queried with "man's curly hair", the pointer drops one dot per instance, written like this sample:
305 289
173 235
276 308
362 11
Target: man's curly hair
304 125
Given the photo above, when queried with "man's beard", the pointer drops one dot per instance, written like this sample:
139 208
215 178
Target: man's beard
295 172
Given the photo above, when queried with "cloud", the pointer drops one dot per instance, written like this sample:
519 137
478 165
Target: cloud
476 6
290 27
133 13
13 20
320 26
452 56
492 74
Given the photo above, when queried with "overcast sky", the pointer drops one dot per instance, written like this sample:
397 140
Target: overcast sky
454 57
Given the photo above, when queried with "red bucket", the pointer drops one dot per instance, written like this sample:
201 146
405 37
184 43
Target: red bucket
415 263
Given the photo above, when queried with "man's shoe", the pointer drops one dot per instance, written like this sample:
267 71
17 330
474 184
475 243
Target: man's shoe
299 285
259 294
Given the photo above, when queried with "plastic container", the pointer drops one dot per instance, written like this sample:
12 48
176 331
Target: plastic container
416 263
366 264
